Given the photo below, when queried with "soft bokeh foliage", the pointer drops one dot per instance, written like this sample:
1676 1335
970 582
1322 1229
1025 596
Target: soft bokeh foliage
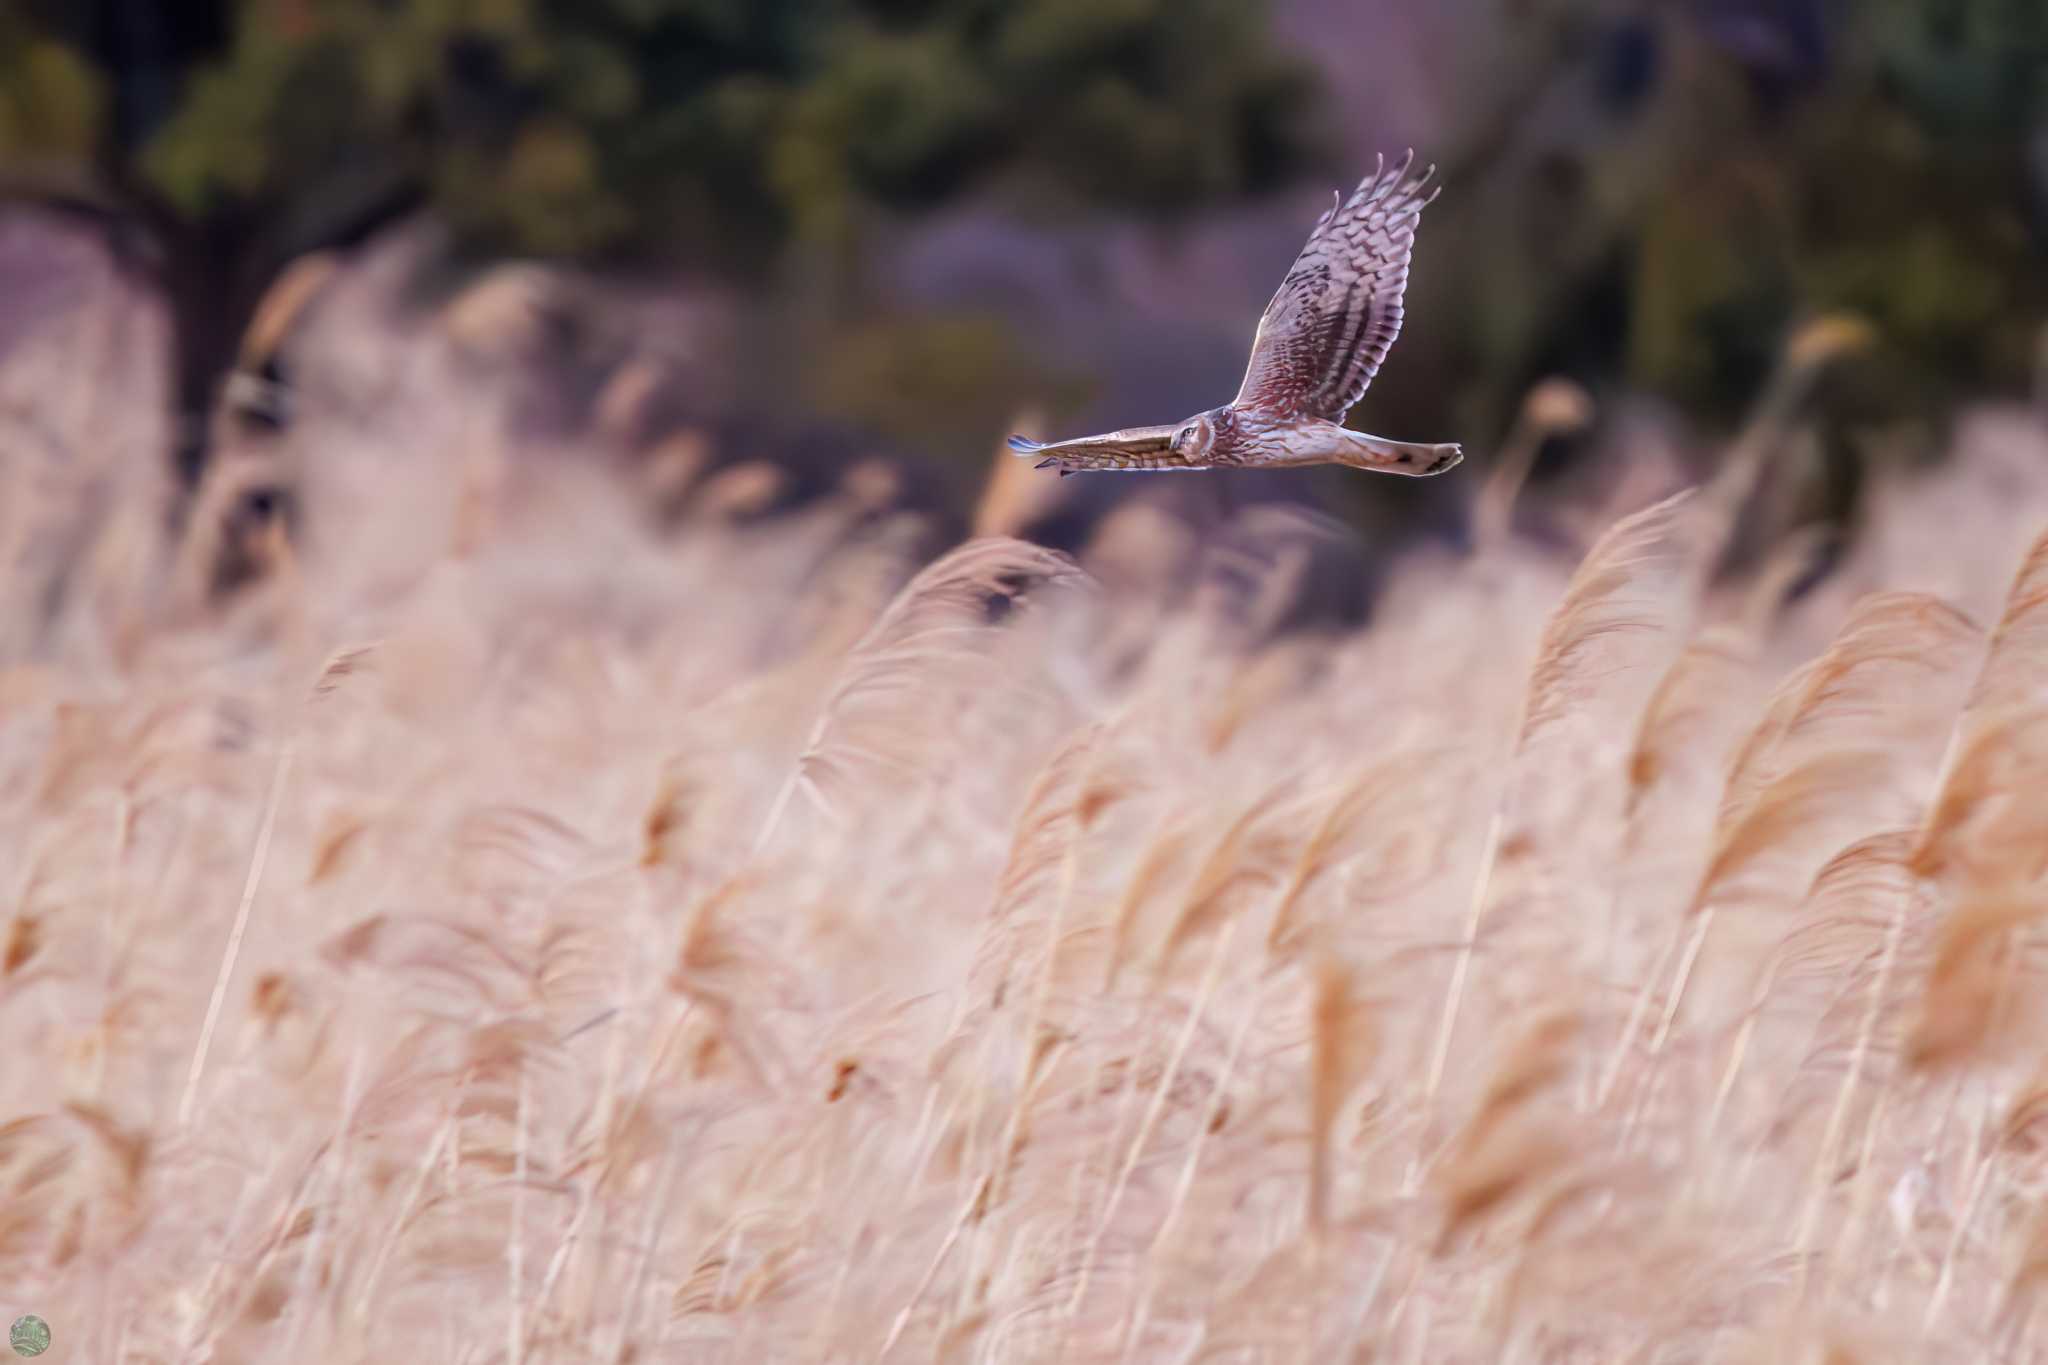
1654 195
706 126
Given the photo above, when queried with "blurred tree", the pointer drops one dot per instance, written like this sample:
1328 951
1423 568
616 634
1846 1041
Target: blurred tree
237 134
1655 193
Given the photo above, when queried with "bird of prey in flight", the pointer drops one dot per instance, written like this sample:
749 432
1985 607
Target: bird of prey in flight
1319 344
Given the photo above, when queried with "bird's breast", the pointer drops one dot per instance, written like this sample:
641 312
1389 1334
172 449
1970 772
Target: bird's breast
1252 438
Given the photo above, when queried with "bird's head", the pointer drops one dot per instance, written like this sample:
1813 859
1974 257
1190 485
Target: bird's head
1194 438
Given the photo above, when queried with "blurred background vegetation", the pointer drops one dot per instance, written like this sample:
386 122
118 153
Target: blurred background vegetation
1642 196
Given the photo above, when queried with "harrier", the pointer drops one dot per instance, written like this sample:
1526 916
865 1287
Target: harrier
1319 344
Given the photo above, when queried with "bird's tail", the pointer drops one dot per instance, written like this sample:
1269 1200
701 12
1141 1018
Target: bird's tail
1418 459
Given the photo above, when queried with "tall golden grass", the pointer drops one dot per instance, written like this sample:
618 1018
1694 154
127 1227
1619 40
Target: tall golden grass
514 934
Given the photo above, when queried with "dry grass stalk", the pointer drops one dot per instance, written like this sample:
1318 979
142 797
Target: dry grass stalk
1597 603
1555 407
1870 870
1153 1109
1789 811
231 950
932 620
2030 1271
1784 786
1825 1156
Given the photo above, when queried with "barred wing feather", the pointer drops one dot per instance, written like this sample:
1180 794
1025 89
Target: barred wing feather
1337 313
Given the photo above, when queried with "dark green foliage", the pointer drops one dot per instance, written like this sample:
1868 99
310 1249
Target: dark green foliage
1726 168
581 126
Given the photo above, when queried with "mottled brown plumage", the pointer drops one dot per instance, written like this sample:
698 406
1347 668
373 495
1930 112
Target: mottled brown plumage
1319 344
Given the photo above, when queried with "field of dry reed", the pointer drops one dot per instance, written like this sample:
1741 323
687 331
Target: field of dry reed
506 933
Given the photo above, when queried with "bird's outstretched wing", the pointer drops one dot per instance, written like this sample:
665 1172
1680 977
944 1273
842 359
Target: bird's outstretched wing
1133 449
1332 320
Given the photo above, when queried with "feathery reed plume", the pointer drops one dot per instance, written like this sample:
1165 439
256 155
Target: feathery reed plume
2025 1126
722 972
1687 707
479 496
342 664
1554 407
1877 1002
2017 659
1065 800
1062 801
663 827
1959 1005
958 594
1782 813
482 1114
1791 779
1788 813
1987 820
1996 748
1390 782
1245 858
24 941
504 312
297 286
1503 1147
342 832
1341 1049
1596 605
670 472
1832 934
1848 682
618 413
739 492
1981 818
1687 715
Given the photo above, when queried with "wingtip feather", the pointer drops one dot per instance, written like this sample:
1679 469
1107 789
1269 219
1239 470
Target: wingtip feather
1023 445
